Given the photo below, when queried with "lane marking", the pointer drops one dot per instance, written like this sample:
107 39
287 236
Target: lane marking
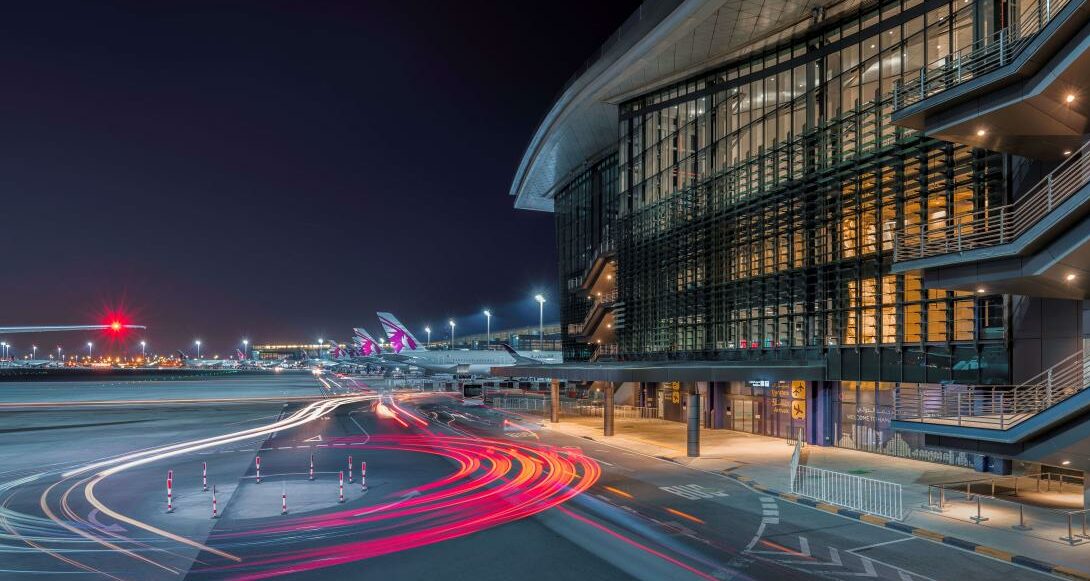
684 515
618 492
865 547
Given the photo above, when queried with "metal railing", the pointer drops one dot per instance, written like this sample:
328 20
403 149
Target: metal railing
979 58
997 407
605 350
621 412
1000 225
848 490
944 491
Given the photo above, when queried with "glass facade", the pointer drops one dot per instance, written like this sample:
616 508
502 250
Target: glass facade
759 203
586 216
751 212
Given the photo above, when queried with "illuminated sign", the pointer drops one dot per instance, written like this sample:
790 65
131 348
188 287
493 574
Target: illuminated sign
675 391
758 383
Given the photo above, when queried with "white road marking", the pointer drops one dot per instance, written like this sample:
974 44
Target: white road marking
865 547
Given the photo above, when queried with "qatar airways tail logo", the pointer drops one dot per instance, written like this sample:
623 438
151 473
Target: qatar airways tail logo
367 343
399 338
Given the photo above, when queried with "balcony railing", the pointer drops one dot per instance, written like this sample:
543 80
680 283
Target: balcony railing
999 225
995 407
979 58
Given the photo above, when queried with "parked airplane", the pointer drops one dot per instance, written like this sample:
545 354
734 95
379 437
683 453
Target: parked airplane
408 350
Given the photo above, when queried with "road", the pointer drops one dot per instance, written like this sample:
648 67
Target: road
461 492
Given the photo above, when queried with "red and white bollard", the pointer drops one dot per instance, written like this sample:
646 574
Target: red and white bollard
363 475
350 470
170 491
258 460
341 487
204 476
312 466
215 512
284 500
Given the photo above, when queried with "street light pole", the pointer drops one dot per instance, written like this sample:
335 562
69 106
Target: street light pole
33 351
487 329
452 334
143 350
246 348
198 342
540 320
428 331
90 351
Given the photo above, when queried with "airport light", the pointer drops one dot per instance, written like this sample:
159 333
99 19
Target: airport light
143 349
487 328
452 334
540 319
59 353
90 349
246 348
5 349
428 331
33 351
198 342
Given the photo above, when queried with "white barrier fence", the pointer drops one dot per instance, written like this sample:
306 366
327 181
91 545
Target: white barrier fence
855 492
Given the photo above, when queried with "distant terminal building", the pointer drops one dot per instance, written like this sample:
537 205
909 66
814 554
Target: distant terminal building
289 351
866 222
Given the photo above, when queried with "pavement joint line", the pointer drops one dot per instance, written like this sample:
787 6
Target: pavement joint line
916 532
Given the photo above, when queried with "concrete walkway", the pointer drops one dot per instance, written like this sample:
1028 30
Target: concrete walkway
765 460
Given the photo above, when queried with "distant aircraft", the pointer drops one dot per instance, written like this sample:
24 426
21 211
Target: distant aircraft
367 344
409 351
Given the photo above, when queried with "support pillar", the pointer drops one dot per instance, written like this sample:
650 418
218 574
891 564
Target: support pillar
1086 489
607 410
554 397
693 425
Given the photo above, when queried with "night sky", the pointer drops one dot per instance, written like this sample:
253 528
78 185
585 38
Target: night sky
277 170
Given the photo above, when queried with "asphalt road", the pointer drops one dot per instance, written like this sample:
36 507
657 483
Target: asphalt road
452 491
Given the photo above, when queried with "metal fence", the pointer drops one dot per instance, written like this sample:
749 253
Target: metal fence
848 490
979 58
996 407
997 225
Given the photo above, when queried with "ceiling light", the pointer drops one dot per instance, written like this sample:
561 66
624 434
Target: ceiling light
1070 277
1067 152
980 132
1070 98
1065 462
980 290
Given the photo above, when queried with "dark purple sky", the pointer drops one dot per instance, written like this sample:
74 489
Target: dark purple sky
277 170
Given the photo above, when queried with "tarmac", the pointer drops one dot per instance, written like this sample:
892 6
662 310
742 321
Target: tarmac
762 462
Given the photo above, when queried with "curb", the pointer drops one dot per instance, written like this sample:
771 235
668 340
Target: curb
881 521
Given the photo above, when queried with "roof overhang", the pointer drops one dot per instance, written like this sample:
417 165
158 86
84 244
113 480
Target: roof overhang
659 371
662 42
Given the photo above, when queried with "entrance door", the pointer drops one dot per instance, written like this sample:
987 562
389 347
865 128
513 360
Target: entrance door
742 418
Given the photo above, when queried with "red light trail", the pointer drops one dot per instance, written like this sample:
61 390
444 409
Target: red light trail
495 482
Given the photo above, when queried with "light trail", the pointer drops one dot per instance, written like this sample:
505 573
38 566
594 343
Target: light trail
495 482
146 402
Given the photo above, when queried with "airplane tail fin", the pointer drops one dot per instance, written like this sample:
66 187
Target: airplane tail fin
182 355
367 343
519 358
401 339
239 354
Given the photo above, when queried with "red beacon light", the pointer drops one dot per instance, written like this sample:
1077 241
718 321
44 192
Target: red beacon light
115 326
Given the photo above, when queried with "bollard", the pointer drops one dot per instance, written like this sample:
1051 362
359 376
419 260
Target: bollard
284 500
215 514
340 487
204 476
1021 526
1070 537
312 466
978 519
170 491
363 475
942 496
350 469
258 460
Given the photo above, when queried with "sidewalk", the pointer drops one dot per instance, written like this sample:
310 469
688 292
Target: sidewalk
764 461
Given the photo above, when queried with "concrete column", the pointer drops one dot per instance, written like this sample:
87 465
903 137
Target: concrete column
1085 489
694 425
554 395
607 413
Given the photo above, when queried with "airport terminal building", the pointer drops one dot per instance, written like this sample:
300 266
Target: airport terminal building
865 221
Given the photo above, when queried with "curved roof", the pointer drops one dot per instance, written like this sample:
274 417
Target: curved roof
663 41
